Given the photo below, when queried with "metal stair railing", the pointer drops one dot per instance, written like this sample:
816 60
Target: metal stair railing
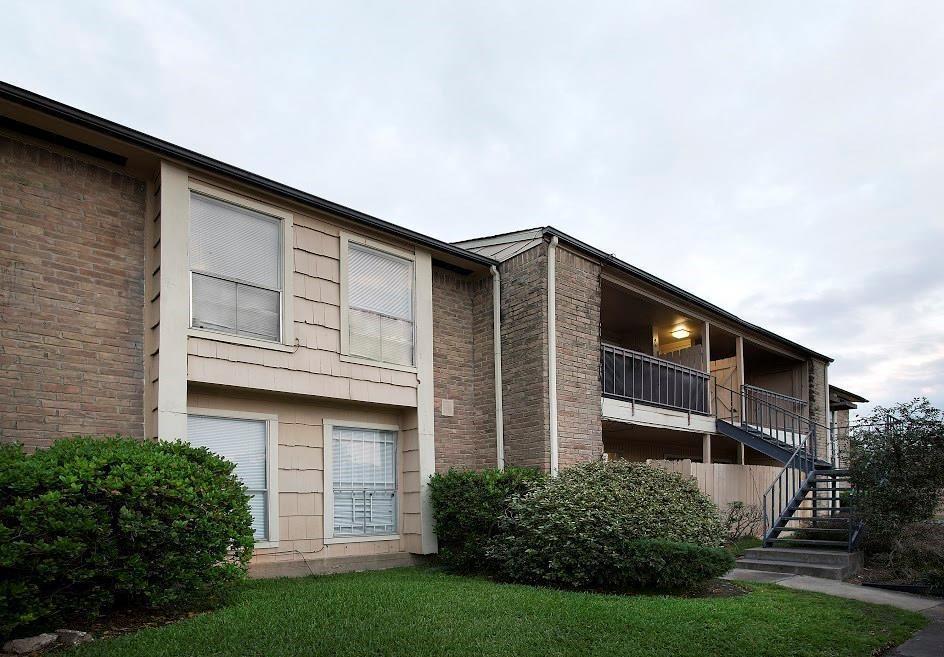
788 489
752 409
753 412
761 411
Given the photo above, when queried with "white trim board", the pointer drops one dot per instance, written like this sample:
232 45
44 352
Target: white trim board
653 416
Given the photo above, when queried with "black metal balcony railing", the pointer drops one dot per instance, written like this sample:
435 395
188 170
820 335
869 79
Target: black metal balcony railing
634 376
772 411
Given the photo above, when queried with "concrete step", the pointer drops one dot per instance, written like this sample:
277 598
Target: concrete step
830 564
801 555
795 568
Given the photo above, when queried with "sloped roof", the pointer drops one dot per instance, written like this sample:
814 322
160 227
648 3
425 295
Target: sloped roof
507 245
840 399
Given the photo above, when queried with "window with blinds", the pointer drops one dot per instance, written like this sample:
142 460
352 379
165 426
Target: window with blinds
242 442
235 269
364 473
380 306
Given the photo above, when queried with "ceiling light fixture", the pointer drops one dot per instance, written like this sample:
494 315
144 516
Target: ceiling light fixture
680 333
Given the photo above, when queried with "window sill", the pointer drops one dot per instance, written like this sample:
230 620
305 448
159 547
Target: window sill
361 539
345 358
261 545
219 336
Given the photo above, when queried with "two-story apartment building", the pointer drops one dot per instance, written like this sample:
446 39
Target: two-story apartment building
338 359
147 290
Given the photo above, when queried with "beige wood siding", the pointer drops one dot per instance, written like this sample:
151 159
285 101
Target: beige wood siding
313 364
301 471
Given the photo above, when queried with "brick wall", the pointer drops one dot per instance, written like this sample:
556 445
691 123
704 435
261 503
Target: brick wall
841 428
463 370
524 358
818 398
579 424
71 296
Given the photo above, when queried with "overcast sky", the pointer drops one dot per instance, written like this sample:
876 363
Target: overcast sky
782 160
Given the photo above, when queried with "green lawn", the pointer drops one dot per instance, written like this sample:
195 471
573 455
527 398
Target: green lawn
423 612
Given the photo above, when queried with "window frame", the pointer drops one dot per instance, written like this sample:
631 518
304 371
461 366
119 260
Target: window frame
328 512
272 464
346 239
286 339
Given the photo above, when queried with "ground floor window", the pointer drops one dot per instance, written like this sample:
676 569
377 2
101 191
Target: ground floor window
364 481
245 443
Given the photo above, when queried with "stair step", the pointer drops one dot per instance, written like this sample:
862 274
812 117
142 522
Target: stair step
814 518
796 568
809 541
814 529
804 555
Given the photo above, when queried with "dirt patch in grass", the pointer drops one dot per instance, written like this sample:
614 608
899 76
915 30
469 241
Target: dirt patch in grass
127 621
719 588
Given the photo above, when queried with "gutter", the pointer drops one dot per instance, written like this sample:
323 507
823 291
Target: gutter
166 149
497 358
552 352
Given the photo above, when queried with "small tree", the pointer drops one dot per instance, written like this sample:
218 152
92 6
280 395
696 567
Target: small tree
741 520
897 468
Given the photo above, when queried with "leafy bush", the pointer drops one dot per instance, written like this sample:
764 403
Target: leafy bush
91 523
666 566
467 505
598 525
897 469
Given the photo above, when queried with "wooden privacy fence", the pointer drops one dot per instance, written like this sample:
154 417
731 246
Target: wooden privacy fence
724 482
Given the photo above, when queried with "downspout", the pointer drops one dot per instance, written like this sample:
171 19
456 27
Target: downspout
497 356
552 350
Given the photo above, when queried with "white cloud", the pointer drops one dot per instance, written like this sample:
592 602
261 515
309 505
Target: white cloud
780 161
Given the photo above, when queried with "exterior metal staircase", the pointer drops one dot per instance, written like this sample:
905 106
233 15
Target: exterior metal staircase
806 509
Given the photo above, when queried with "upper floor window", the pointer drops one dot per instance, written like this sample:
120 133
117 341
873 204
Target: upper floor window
236 277
380 306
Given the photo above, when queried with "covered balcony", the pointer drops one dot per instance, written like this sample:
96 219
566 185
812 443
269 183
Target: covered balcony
666 377
653 363
637 377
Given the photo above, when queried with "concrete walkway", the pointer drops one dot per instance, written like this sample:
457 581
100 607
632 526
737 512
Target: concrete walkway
928 642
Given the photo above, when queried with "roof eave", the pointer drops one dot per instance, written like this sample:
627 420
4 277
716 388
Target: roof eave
166 149
672 289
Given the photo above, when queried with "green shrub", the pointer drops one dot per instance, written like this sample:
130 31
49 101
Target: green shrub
594 524
466 507
666 566
897 469
91 523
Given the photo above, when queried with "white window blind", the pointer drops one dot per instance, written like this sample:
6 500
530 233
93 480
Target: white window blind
364 484
242 442
236 269
380 306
